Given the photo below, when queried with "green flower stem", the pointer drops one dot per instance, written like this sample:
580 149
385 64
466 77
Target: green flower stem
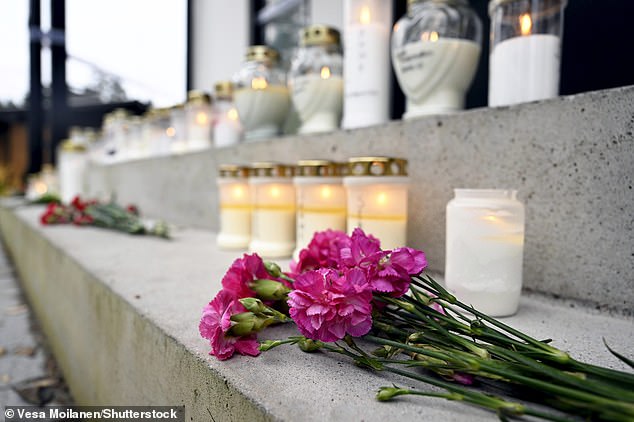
478 366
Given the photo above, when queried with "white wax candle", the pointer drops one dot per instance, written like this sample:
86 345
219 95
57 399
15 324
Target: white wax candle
435 75
318 101
524 68
72 168
227 130
485 241
366 75
235 213
262 111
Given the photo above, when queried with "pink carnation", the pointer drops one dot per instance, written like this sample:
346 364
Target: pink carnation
326 305
386 271
323 251
241 273
216 322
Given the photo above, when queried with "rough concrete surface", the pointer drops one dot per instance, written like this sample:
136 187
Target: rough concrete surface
570 158
122 313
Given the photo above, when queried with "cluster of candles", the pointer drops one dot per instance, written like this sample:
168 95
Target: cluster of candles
274 209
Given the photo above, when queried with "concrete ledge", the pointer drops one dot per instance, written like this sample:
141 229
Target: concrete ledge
571 158
121 315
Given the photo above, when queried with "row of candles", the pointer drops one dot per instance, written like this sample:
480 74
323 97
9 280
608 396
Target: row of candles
274 210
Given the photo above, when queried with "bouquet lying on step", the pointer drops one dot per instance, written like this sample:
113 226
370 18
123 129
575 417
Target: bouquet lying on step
346 287
102 214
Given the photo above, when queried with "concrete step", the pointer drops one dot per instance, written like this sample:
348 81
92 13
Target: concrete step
121 314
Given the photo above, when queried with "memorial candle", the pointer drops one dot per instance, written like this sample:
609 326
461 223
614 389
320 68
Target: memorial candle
235 207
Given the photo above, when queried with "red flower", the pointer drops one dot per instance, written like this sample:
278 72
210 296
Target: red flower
55 213
323 251
242 273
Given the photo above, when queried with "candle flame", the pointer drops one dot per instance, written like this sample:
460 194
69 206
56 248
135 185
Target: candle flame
170 131
364 16
232 114
259 83
325 72
381 198
429 36
491 218
201 118
526 24
325 192
238 192
275 192
41 188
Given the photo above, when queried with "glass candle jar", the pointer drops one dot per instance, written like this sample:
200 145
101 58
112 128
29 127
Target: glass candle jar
321 200
435 53
525 50
198 120
377 198
235 207
177 130
485 244
273 217
366 69
72 160
261 97
227 130
118 150
316 79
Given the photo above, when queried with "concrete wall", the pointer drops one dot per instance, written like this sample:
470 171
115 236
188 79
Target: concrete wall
571 158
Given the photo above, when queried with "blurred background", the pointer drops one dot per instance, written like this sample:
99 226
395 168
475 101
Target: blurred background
66 63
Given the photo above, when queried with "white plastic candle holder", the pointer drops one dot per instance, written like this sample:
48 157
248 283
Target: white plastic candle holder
235 207
227 130
377 198
321 200
485 244
198 119
72 160
273 216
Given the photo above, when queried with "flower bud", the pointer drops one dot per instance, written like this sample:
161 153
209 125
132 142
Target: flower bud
267 345
253 304
270 289
243 324
273 269
308 345
388 393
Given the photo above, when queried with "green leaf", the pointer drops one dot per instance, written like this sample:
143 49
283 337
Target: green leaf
622 358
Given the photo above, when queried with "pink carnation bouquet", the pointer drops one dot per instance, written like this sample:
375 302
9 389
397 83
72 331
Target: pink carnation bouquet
345 294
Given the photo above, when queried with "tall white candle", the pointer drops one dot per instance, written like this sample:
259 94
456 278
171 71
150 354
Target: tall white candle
524 68
72 163
235 208
366 62
485 243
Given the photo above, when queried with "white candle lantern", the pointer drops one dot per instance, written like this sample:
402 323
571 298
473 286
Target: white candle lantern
435 53
377 198
316 81
321 200
235 207
273 215
72 160
261 97
198 120
177 130
227 130
485 244
525 50
366 68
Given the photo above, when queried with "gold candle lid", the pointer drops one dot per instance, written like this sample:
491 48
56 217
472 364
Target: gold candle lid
317 168
262 53
269 169
69 146
224 89
198 97
377 166
233 170
320 35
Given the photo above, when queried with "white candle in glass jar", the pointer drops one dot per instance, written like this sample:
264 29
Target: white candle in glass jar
273 216
524 68
235 208
198 127
262 108
227 130
366 62
318 100
321 205
485 243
